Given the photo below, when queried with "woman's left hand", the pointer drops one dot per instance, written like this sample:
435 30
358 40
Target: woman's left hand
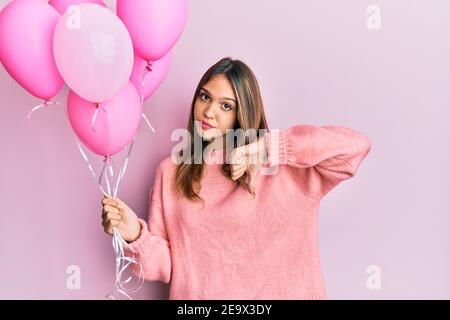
248 158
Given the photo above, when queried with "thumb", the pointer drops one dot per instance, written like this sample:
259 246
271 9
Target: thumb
253 173
120 203
251 149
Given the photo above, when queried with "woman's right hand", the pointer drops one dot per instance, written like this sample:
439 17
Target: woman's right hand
117 214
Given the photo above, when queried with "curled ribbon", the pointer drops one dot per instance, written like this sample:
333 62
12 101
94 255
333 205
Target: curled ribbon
122 263
42 105
94 116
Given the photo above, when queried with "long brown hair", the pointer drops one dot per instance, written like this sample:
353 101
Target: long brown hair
250 115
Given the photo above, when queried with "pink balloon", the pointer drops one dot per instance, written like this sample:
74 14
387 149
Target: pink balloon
154 25
26 37
115 125
61 5
93 51
152 78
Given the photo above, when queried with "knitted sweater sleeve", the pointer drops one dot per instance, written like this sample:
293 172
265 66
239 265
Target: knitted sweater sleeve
319 157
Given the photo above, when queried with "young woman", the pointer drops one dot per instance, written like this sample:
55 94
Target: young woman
223 229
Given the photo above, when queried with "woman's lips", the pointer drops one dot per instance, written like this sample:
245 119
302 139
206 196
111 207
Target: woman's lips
206 126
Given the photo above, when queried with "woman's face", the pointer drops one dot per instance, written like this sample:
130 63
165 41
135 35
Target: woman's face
216 104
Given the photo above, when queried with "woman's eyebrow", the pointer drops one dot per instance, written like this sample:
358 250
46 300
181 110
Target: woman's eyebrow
226 98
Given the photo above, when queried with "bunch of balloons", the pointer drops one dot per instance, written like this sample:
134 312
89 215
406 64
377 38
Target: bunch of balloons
111 63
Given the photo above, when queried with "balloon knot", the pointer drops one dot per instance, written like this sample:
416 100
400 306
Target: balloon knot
149 66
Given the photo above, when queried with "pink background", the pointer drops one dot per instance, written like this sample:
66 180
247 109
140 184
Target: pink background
316 62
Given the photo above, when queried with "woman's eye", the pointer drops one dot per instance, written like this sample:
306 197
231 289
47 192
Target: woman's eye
227 106
204 96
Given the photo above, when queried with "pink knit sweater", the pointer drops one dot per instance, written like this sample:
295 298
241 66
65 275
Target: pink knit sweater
237 247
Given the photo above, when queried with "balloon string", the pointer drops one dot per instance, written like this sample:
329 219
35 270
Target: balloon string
147 69
42 105
141 94
122 261
148 122
94 115
83 154
124 167
104 173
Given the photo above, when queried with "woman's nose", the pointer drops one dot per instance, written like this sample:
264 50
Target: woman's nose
209 111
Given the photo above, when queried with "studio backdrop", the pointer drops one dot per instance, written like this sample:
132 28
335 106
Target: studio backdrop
381 68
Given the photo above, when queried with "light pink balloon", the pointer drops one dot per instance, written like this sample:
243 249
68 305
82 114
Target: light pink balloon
26 37
154 25
116 123
61 5
152 79
93 51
